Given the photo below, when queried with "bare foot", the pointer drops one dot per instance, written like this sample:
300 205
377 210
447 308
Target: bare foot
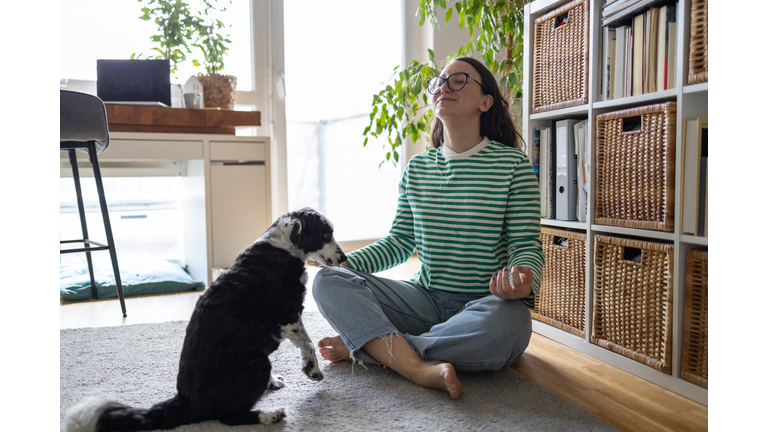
333 349
440 376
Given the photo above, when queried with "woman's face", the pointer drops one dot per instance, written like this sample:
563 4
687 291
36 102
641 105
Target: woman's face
469 101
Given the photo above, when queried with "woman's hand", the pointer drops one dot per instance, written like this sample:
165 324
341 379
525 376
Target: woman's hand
520 287
312 263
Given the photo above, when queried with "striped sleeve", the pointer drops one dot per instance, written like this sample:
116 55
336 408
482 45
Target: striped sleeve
523 225
396 247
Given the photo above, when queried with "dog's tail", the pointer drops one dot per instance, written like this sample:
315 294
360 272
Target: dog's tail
95 414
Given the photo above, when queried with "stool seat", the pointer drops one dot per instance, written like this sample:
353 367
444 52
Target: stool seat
83 118
83 127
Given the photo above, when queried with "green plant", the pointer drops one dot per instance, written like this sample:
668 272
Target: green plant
496 34
210 41
176 27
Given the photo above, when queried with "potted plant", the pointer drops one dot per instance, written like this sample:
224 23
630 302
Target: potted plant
176 27
496 34
219 89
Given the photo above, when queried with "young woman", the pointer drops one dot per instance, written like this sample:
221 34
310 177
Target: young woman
470 208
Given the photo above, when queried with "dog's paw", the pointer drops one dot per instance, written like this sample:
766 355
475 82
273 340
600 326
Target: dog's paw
276 382
271 417
312 371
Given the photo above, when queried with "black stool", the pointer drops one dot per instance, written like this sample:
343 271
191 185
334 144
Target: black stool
84 128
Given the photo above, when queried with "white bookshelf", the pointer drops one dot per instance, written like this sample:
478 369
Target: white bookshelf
692 102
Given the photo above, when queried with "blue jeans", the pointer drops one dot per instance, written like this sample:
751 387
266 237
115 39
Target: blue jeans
472 333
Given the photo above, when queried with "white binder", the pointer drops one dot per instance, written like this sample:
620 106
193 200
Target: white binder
566 186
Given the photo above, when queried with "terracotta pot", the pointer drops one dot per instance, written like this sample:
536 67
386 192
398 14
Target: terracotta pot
219 90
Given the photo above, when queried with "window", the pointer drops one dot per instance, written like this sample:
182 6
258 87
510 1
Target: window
328 91
122 33
146 213
336 58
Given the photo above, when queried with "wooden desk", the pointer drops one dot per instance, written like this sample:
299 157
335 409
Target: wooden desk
143 118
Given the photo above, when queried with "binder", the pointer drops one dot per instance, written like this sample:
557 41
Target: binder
551 164
566 185
582 169
692 171
544 169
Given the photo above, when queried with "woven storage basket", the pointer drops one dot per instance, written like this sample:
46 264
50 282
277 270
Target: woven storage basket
698 59
635 170
561 57
695 334
632 301
560 301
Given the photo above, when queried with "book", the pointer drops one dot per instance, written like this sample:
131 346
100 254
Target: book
651 49
566 184
692 139
609 36
638 39
671 45
612 78
628 66
620 60
661 51
701 222
622 13
617 6
706 205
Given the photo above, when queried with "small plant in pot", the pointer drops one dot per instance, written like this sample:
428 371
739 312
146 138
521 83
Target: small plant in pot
176 25
219 89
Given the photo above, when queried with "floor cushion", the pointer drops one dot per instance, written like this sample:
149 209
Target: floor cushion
139 276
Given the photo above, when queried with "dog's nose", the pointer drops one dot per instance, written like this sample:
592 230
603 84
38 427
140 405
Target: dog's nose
342 256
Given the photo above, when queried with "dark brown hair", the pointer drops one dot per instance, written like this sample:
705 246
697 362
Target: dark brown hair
496 123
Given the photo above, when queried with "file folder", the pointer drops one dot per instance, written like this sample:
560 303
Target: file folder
566 181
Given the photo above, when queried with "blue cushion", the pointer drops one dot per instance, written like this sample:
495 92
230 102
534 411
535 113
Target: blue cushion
138 276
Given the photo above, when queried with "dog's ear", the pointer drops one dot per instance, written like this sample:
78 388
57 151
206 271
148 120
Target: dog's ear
296 228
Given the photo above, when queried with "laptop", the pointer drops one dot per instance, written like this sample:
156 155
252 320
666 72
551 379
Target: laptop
136 82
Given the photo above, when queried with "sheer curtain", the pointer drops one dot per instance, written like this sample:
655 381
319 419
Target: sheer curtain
337 56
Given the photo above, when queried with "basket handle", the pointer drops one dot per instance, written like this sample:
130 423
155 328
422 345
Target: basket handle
560 241
562 20
631 254
632 124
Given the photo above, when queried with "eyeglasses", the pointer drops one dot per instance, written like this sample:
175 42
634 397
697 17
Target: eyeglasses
455 82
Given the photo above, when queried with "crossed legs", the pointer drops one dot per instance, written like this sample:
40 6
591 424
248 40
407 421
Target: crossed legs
424 336
397 354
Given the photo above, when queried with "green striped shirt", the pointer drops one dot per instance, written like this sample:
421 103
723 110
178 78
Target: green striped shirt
467 215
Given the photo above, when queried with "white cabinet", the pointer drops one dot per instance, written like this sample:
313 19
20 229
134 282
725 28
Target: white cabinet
227 187
239 195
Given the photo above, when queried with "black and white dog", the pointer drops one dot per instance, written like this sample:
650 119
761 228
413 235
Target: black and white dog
239 320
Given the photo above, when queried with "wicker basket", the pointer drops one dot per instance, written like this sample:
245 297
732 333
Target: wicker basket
698 60
695 334
561 58
219 90
632 301
560 301
635 170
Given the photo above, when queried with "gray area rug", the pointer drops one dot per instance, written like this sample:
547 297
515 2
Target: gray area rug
137 365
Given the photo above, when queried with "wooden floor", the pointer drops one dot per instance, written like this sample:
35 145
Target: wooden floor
627 402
